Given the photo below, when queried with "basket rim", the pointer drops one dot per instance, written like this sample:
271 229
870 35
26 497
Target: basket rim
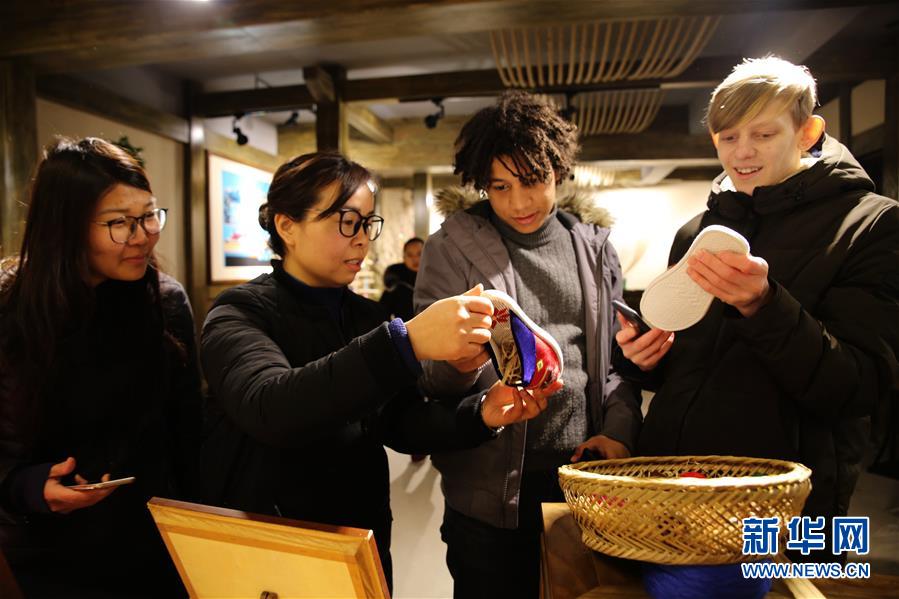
796 473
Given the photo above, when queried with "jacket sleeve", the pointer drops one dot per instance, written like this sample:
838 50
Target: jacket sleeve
622 416
652 379
841 359
411 424
440 276
185 402
256 386
21 479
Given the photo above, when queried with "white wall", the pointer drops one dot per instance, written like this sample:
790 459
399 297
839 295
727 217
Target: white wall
646 219
868 109
868 102
164 161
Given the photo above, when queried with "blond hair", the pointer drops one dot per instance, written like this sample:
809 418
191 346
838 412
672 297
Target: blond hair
757 83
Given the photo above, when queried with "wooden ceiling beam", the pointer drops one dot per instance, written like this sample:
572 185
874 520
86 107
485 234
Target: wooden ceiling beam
369 125
320 84
97 34
267 99
704 73
650 145
95 99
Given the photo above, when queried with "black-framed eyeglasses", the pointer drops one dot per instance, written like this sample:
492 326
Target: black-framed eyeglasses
351 221
123 228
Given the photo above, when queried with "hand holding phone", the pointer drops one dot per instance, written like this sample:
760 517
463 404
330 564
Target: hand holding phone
103 484
632 316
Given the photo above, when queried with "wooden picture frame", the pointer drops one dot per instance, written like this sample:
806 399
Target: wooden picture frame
237 246
228 553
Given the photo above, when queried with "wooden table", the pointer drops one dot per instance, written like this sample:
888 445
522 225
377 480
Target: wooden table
570 570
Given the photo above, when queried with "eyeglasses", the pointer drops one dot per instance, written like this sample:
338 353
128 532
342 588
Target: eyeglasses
122 229
352 220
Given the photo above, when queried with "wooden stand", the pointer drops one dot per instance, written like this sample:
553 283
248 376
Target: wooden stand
570 570
227 553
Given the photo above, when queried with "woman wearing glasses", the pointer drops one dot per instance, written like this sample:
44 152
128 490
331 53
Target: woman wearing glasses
307 379
98 381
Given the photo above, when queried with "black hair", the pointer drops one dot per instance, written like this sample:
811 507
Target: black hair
44 291
411 241
298 184
523 129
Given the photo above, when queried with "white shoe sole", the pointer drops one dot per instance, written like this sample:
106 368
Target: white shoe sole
673 301
502 332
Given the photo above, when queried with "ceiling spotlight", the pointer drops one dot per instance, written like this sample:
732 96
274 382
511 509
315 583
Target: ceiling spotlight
242 139
432 119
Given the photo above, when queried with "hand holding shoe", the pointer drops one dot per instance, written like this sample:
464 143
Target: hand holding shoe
455 328
740 280
466 365
506 405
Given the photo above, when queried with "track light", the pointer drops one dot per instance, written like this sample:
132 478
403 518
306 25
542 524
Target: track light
432 119
242 139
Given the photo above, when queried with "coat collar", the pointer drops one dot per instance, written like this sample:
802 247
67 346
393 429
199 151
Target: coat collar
835 173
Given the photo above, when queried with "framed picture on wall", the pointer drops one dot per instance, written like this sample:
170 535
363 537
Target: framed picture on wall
238 246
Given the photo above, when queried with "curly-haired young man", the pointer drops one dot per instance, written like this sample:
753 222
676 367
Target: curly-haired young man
563 272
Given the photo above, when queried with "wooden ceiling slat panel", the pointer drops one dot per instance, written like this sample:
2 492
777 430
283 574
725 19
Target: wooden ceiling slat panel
96 34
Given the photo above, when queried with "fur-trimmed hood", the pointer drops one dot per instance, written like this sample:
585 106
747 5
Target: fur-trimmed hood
450 200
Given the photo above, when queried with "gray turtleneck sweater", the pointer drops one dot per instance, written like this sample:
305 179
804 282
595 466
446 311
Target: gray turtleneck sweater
549 291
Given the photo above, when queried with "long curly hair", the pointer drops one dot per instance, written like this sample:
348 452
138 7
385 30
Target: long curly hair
525 132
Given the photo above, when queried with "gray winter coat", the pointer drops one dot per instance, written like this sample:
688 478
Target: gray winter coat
484 482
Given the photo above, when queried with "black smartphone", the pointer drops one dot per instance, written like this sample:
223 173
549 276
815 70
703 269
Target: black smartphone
632 316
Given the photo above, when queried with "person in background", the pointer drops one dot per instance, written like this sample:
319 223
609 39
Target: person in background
799 347
98 380
399 281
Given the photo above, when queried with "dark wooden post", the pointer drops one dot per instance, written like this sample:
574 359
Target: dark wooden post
195 212
18 149
325 83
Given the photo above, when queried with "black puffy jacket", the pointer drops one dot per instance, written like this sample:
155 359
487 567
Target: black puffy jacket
800 378
301 406
121 399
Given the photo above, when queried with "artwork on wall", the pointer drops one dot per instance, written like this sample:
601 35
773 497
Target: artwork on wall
238 246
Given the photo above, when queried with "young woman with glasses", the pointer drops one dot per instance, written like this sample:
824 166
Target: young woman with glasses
308 381
98 381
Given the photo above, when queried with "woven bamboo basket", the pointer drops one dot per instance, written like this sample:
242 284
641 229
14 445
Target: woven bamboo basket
643 509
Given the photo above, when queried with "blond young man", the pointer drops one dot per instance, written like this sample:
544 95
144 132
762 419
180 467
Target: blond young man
801 342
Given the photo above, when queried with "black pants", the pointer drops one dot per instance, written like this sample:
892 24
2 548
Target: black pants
493 563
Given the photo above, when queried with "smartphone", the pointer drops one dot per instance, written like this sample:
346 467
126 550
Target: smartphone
632 316
103 485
